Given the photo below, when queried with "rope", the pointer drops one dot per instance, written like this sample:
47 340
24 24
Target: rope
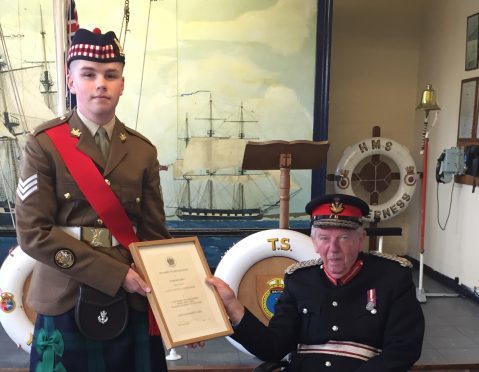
143 66
125 20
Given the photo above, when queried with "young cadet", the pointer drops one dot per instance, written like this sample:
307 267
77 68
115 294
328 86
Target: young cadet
82 198
348 311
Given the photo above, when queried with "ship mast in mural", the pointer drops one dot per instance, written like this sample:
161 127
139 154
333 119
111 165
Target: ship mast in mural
213 184
21 108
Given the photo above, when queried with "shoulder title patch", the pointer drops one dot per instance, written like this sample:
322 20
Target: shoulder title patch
303 264
400 260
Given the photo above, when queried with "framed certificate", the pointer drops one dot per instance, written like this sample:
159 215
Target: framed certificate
186 309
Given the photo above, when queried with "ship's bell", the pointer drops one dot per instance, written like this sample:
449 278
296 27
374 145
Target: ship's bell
428 100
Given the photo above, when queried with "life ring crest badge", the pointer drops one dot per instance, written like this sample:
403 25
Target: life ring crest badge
269 292
410 178
399 154
8 303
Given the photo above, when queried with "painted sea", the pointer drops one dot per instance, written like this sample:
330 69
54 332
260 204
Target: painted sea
215 237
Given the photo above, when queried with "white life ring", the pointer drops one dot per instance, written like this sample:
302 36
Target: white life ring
14 272
391 149
256 247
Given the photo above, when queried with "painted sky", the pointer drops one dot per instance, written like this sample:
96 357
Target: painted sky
259 53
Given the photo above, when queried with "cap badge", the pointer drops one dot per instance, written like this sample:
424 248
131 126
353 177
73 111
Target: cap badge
75 132
336 207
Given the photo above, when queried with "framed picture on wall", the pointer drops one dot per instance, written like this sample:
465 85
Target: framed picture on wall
467 128
472 37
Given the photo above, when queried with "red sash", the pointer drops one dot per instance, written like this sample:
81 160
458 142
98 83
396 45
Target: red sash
98 193
93 185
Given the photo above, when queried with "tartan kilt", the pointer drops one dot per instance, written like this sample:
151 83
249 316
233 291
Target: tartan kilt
58 346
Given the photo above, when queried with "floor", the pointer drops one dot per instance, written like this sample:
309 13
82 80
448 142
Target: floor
452 337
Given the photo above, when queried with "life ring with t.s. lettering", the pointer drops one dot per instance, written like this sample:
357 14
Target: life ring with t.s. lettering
14 272
259 246
399 154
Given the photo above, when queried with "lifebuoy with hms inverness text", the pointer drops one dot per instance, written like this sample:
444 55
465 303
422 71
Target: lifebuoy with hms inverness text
399 154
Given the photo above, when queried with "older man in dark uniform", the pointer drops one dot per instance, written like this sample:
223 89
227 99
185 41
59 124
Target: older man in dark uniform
348 311
78 228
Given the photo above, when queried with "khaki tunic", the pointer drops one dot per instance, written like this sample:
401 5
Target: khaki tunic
132 169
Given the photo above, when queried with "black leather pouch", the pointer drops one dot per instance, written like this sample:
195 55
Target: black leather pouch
99 316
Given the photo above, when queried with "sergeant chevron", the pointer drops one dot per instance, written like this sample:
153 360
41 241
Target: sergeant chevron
26 187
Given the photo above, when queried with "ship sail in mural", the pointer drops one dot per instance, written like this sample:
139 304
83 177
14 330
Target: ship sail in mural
213 185
22 107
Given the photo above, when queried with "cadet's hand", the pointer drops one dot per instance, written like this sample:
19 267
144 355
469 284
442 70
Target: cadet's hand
234 308
134 283
194 345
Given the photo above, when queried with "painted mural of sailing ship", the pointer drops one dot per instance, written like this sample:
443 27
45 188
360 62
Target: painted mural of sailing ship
213 185
23 107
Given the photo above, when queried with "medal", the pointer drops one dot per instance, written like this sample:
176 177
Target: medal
371 301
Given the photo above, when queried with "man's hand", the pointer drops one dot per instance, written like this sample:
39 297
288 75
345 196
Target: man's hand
234 308
134 283
195 345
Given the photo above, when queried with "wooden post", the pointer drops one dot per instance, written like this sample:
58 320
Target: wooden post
374 198
284 186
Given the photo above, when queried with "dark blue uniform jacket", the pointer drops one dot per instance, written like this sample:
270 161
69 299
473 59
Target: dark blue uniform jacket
313 311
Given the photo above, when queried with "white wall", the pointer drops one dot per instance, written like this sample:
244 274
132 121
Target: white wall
384 52
455 251
374 69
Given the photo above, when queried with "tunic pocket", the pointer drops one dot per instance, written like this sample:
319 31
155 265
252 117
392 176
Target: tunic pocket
309 313
368 319
69 197
55 284
69 191
131 199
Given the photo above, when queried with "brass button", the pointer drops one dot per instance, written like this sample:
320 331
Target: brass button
305 311
107 181
335 328
138 200
334 303
327 363
99 221
67 195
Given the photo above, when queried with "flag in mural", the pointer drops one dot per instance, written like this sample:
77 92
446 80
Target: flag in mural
72 20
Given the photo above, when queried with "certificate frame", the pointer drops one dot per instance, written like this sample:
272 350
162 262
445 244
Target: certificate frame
185 307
